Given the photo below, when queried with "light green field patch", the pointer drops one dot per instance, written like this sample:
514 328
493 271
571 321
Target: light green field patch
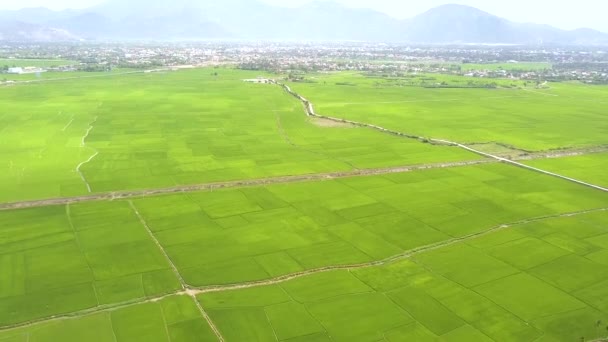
90 328
528 297
601 257
570 243
574 325
410 332
363 240
393 276
140 322
600 241
402 230
527 253
488 317
176 316
571 272
481 268
243 324
325 285
588 168
291 320
595 295
465 333
338 315
227 272
419 110
323 337
277 264
336 253
119 290
426 310
252 297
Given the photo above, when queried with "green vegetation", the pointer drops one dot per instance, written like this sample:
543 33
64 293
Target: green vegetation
167 129
57 260
520 66
564 115
505 293
232 236
35 62
175 319
589 168
486 252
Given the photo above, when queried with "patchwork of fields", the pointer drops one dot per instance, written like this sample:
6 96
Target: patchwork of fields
453 252
590 168
206 129
563 115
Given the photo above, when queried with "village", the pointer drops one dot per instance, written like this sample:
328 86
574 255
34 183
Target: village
589 65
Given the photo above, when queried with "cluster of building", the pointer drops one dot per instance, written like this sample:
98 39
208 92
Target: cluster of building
580 63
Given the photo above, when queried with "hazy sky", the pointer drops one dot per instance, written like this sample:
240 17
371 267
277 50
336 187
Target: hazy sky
563 14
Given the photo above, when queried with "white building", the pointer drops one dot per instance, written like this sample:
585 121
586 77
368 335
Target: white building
258 80
15 70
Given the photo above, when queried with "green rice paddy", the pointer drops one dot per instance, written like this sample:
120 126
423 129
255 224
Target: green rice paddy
487 252
589 168
162 130
20 62
563 115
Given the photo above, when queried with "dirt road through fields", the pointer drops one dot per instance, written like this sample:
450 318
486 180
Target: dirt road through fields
196 291
311 112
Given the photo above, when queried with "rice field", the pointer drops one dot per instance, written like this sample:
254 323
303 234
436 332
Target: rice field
160 130
22 62
590 168
513 289
563 115
448 251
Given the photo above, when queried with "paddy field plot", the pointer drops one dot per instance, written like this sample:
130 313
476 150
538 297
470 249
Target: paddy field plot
164 129
590 168
525 66
63 259
57 260
175 319
507 286
488 252
250 234
564 115
19 62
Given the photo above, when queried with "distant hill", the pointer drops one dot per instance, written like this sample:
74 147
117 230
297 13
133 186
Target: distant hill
253 20
464 24
17 31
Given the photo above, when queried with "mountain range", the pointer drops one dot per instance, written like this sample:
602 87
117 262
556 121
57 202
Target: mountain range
253 20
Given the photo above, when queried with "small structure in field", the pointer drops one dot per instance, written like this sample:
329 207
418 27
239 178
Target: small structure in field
259 80
25 70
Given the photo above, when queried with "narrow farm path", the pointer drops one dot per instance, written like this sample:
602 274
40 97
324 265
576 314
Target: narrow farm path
194 291
177 274
118 195
288 140
83 144
310 111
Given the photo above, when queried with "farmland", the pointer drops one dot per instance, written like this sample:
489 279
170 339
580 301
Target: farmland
507 66
527 118
247 220
17 62
591 168
210 129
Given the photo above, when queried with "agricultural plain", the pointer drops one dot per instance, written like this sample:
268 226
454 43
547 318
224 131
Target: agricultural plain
138 131
453 246
552 116
590 168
